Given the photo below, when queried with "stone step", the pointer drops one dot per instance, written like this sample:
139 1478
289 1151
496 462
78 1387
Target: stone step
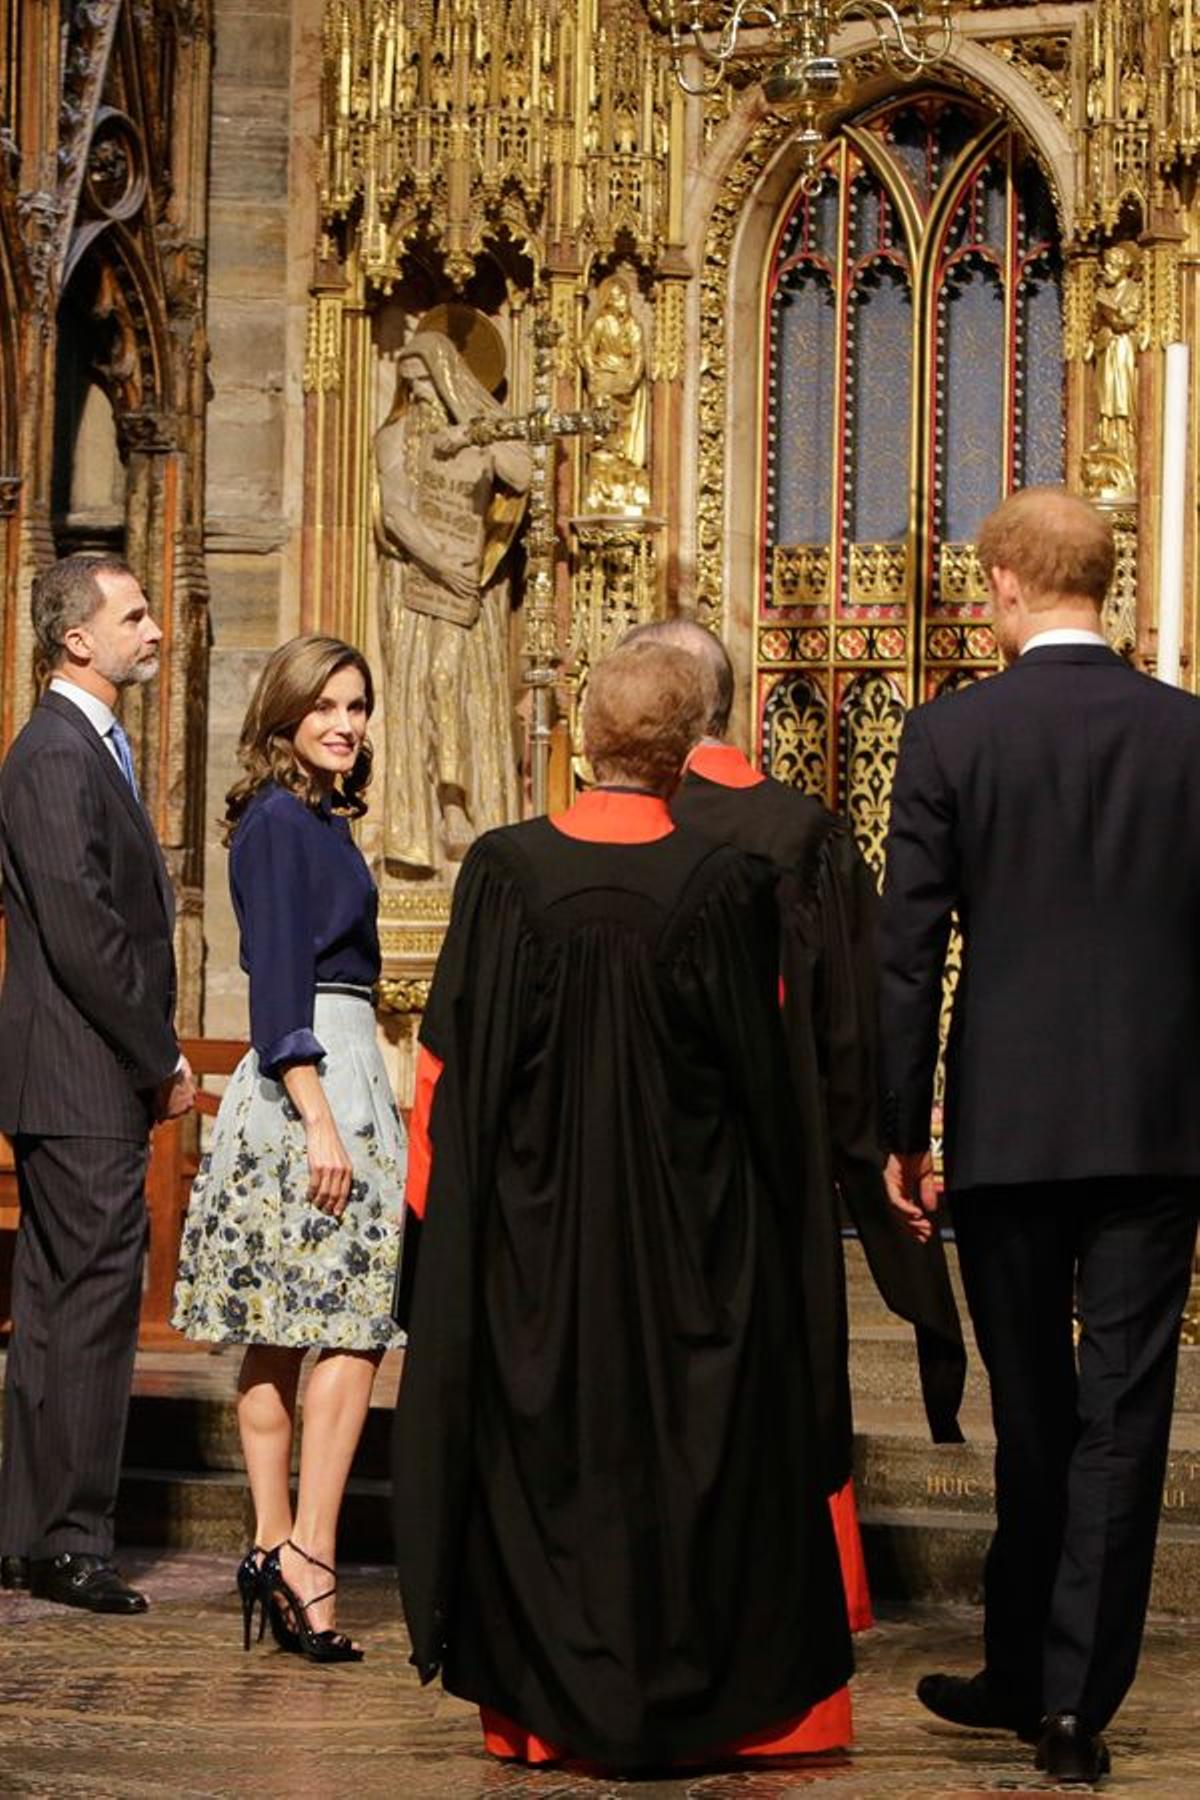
883 1367
199 1435
865 1303
899 1471
925 1513
883 1355
938 1555
165 1509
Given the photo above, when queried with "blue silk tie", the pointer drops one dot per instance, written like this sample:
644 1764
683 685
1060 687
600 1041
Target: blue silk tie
124 755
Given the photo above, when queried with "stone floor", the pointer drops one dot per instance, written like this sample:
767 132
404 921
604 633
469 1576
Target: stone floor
169 1704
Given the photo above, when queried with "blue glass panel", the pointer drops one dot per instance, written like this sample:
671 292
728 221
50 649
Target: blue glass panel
823 220
802 454
991 222
1038 222
864 216
909 136
971 400
880 417
792 240
953 131
1040 434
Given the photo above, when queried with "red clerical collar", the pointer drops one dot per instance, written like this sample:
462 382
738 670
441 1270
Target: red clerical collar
603 817
724 764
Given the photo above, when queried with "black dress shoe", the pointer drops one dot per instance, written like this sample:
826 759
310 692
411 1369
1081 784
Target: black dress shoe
1069 1752
14 1571
975 1700
77 1578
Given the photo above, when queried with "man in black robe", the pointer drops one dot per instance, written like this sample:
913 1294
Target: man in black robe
829 979
611 1525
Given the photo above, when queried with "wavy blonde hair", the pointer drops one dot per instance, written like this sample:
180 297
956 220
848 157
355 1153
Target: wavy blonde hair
288 688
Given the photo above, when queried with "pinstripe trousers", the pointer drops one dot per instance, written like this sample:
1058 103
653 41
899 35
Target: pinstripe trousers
76 1292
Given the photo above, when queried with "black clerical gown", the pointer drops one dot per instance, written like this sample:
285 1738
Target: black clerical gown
610 1511
827 906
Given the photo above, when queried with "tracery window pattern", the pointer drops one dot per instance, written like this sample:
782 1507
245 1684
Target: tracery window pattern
914 376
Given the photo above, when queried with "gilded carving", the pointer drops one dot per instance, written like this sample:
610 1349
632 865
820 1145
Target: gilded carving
670 328
1120 605
960 577
1118 333
403 993
800 574
613 359
323 344
1117 72
400 904
714 293
878 573
1079 287
457 124
795 733
1044 62
872 716
1164 310
614 583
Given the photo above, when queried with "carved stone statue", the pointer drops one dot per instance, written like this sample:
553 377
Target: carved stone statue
1110 464
448 511
613 359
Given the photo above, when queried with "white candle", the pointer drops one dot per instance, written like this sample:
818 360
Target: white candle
1170 518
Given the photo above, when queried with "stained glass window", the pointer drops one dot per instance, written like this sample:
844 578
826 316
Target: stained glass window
914 377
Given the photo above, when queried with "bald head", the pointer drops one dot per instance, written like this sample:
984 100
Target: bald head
708 650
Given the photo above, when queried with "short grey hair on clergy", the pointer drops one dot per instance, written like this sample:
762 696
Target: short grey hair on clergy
698 641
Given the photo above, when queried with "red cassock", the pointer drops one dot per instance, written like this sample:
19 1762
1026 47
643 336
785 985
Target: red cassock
622 818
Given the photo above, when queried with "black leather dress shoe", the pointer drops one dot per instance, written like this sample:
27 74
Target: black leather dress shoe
14 1571
1069 1752
77 1578
975 1701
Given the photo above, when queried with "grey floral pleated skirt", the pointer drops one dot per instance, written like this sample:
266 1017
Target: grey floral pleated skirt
259 1264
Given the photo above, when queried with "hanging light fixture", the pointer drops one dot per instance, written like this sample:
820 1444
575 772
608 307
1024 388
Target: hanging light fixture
806 80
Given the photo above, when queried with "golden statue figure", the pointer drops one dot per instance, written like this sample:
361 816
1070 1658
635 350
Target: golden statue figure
447 513
613 359
1110 464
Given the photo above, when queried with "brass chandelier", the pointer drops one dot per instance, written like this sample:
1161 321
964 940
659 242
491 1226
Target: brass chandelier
804 79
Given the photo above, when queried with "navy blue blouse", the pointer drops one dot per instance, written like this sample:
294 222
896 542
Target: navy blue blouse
306 907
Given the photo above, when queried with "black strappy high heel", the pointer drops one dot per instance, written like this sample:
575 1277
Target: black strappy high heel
254 1591
319 1646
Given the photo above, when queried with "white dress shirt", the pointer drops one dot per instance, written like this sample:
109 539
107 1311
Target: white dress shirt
100 716
1064 634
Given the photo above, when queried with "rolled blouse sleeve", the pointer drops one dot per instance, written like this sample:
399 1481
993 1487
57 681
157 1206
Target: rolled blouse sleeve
270 878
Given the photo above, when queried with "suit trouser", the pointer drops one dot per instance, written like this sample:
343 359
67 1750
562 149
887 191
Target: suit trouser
76 1294
1081 1437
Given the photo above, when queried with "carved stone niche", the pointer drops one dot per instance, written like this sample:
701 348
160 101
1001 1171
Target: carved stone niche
147 431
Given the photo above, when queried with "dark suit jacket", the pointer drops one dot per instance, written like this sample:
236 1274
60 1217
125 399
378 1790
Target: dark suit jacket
1056 809
89 980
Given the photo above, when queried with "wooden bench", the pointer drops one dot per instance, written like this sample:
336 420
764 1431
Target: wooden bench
174 1157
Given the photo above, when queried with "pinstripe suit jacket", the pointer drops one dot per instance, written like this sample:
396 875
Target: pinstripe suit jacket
89 981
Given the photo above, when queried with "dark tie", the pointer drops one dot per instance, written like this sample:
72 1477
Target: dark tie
124 755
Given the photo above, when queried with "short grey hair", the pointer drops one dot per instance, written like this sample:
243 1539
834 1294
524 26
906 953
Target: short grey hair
706 646
65 595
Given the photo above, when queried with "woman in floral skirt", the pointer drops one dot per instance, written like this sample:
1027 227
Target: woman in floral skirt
292 1234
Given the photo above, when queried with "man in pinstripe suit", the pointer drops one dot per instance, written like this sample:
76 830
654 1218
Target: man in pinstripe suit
89 1061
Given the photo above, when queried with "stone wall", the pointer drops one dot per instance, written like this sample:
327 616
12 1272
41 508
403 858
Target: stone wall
262 208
